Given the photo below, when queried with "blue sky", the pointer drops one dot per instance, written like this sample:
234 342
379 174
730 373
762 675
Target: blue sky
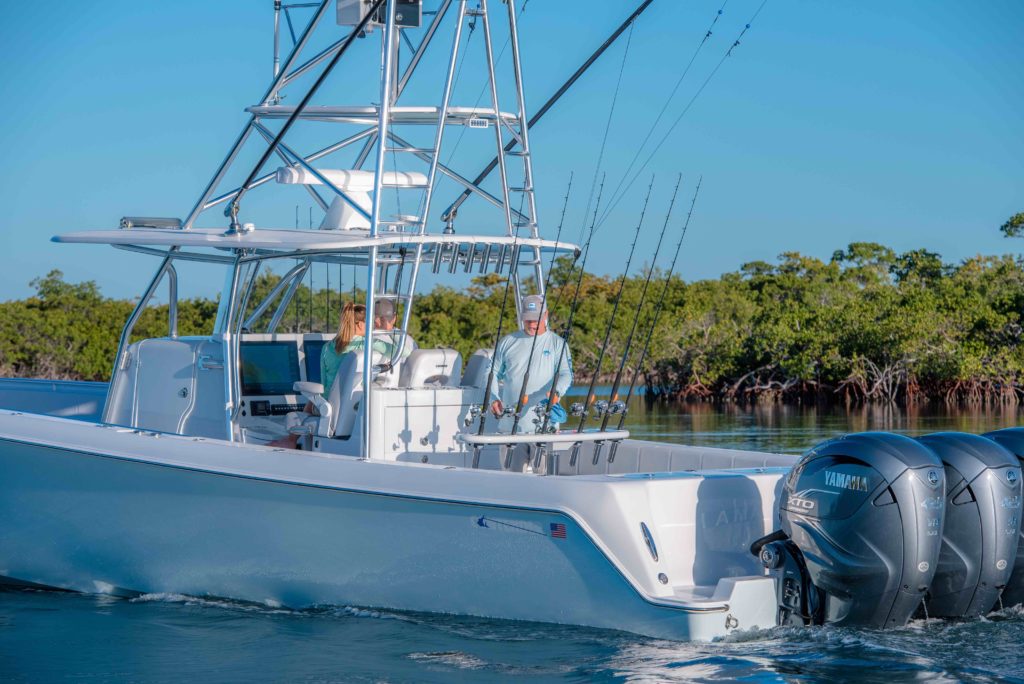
833 122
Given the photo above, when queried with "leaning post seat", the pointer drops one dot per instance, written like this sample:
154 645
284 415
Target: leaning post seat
431 367
477 368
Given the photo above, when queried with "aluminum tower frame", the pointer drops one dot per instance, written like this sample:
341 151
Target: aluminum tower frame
378 138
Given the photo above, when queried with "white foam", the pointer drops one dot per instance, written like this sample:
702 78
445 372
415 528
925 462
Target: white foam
463 661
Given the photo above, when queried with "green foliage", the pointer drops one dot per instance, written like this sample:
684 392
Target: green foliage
1014 225
867 324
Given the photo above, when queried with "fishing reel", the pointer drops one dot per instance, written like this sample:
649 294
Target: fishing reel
540 412
617 407
576 409
600 408
474 414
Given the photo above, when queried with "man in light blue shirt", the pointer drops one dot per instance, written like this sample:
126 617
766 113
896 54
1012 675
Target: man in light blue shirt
511 359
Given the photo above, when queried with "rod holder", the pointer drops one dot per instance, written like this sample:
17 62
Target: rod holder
611 452
574 453
485 260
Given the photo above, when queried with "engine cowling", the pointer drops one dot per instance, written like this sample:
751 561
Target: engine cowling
861 527
1012 439
979 538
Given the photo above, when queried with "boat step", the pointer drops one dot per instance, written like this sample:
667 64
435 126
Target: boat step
406 186
518 153
528 188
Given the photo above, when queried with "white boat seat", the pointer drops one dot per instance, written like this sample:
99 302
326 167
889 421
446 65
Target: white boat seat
431 367
339 408
477 367
350 179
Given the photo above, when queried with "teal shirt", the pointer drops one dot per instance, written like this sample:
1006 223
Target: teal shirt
330 360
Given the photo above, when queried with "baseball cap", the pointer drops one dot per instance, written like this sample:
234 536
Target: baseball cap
532 308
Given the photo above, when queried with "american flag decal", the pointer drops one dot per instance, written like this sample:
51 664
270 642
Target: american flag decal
558 530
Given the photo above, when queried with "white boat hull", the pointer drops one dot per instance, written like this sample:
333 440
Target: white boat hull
95 520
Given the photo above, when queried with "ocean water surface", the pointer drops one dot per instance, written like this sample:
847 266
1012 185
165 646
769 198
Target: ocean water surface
64 637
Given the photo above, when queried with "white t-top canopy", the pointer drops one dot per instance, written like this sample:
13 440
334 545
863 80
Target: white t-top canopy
290 240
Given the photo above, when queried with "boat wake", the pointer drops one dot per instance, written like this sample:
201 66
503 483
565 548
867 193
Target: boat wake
268 607
984 649
430 647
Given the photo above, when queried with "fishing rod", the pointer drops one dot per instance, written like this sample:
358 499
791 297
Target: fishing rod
654 324
572 308
728 53
543 306
668 100
615 406
608 330
453 209
513 262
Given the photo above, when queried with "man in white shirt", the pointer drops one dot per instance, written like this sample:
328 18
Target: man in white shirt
513 356
385 317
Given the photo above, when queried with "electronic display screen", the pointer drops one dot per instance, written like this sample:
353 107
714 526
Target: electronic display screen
269 367
312 348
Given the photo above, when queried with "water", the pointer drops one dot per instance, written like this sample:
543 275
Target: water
52 636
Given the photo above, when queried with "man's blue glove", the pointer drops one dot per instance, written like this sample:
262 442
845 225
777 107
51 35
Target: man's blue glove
556 414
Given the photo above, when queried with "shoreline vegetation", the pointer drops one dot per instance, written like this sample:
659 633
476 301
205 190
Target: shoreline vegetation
868 325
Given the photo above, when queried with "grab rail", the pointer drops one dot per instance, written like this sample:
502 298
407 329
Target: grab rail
542 438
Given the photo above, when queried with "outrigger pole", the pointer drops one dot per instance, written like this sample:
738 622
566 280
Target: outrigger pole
608 331
616 406
654 323
453 209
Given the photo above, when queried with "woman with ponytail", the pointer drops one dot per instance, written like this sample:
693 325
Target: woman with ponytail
350 337
351 333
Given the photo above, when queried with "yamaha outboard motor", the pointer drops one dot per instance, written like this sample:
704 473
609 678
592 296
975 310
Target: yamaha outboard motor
979 538
861 520
1012 439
